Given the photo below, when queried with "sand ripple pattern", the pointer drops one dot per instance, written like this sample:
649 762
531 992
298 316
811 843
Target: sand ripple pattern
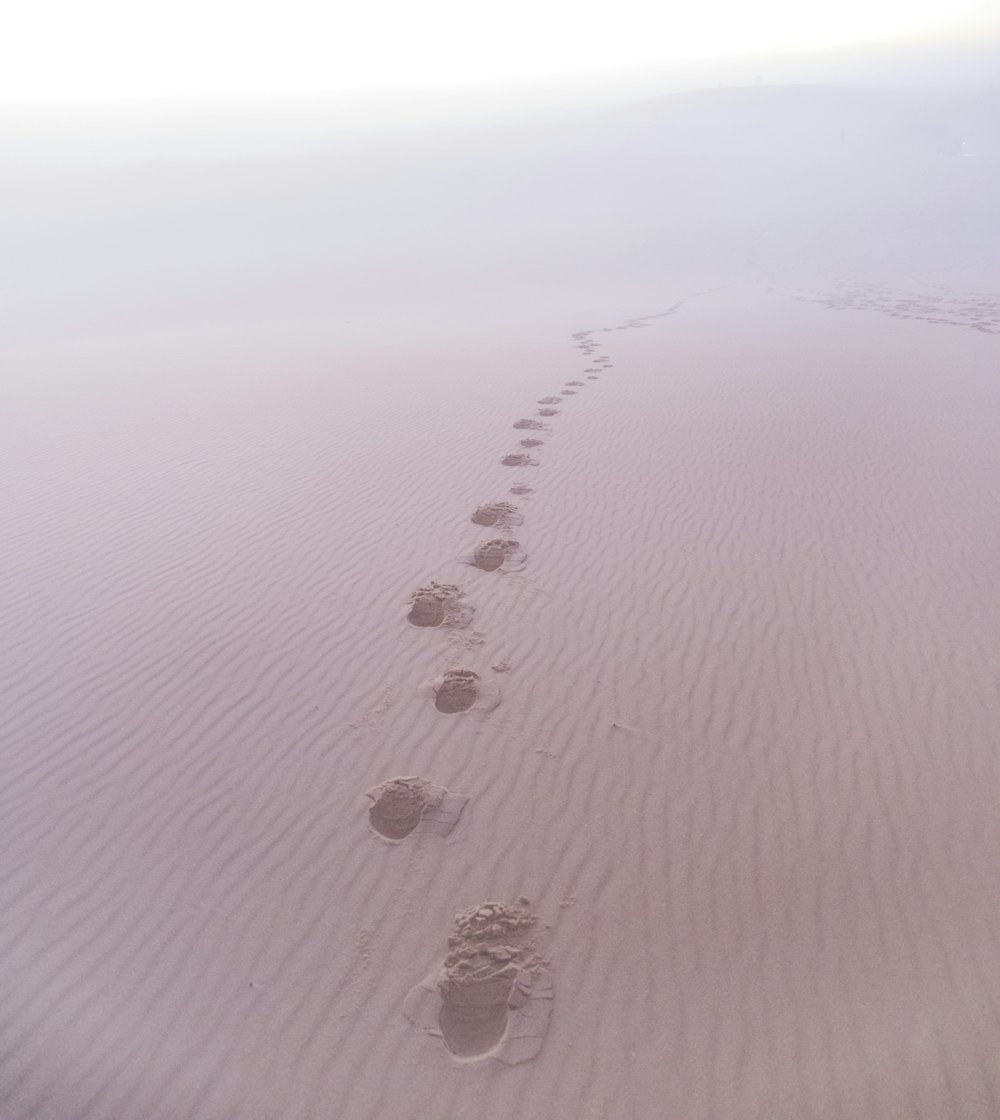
746 764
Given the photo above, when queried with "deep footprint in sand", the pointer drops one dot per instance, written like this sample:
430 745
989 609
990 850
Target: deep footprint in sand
461 690
496 555
492 994
497 513
518 459
439 604
402 806
532 425
548 412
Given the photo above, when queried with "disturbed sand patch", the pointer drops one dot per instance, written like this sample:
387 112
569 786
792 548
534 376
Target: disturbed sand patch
492 994
499 554
531 425
402 806
461 690
439 604
497 513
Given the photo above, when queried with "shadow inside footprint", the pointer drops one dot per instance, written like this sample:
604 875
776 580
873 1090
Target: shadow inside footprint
473 1014
397 809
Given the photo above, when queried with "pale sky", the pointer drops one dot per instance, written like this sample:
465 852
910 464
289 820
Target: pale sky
85 49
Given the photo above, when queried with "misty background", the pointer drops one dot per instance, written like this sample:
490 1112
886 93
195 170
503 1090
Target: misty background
329 217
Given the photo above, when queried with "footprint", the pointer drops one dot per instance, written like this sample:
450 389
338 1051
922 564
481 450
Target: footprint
532 442
404 805
522 488
461 690
548 400
548 412
457 691
574 382
492 994
497 513
534 425
568 392
496 555
592 377
439 604
518 459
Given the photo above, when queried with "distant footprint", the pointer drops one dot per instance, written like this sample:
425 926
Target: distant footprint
496 555
439 604
532 442
548 412
462 690
492 994
592 377
534 425
519 459
568 392
404 805
574 382
521 488
548 400
497 513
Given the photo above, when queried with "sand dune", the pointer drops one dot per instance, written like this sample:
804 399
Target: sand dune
742 769
528 651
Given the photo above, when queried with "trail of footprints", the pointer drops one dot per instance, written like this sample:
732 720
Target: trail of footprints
491 994
977 311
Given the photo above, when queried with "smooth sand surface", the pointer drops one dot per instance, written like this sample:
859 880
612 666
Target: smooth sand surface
743 771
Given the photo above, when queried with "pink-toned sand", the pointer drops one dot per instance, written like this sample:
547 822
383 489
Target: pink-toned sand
743 768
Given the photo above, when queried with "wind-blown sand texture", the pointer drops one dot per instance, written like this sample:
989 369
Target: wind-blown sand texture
745 766
744 613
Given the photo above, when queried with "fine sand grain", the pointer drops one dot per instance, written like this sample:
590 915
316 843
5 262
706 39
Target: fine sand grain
745 766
